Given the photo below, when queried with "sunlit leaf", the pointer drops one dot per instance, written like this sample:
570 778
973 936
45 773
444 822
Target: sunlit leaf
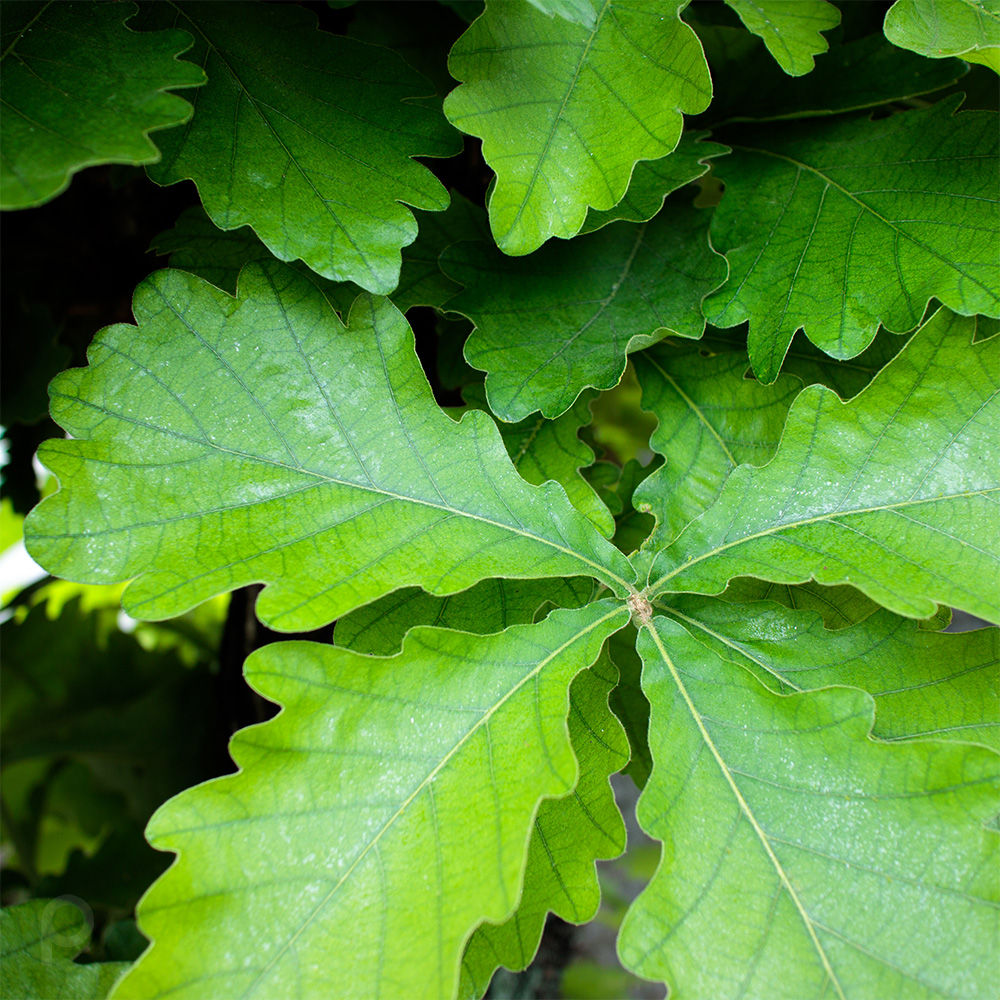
940 28
790 29
375 822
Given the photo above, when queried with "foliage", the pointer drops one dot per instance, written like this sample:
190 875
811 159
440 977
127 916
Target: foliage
656 433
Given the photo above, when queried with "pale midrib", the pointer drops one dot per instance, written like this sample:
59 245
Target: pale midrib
426 783
602 571
831 517
746 810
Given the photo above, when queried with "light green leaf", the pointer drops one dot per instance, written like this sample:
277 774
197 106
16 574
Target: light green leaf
565 112
569 835
710 419
941 28
939 685
80 88
838 606
577 11
837 865
38 941
544 449
563 319
894 492
653 180
807 210
490 606
197 245
790 29
374 823
318 159
257 439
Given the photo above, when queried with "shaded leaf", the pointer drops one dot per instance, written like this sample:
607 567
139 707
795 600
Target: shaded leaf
940 685
38 941
490 606
806 211
80 88
544 449
940 28
822 853
838 606
851 76
400 789
566 111
306 137
258 439
710 419
653 180
569 835
894 492
563 319
630 704
790 29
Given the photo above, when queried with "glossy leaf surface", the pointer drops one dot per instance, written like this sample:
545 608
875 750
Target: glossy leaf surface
791 29
316 138
552 324
321 824
940 28
839 866
566 111
328 470
81 88
807 210
875 492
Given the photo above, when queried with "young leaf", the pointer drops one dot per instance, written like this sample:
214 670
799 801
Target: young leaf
566 111
569 835
38 941
258 439
653 180
80 88
938 685
306 137
821 852
375 822
490 606
710 419
549 325
807 210
894 492
940 28
790 29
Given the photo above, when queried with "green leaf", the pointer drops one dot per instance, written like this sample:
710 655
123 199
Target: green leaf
941 28
490 606
375 822
653 180
710 419
38 941
229 441
551 449
80 88
836 865
630 705
197 245
938 685
838 606
577 11
569 835
790 29
807 210
862 73
563 319
306 137
894 492
565 111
